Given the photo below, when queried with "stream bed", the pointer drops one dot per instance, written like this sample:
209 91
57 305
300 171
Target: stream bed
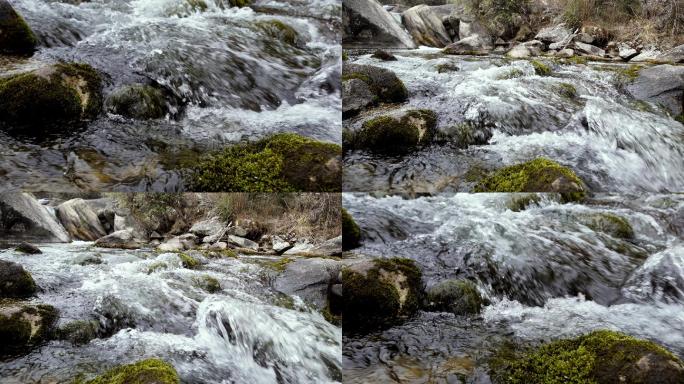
612 141
229 76
548 272
245 332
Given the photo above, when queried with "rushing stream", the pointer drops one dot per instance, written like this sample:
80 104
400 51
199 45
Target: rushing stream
613 142
242 333
230 78
545 271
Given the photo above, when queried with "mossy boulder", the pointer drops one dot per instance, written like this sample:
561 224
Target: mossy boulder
80 331
351 233
610 224
285 162
15 34
188 261
150 371
600 357
540 68
44 99
539 175
279 30
384 83
521 202
15 281
460 297
24 326
138 101
471 133
396 135
379 293
208 283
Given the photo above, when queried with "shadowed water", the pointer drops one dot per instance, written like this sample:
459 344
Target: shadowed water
240 334
229 78
547 271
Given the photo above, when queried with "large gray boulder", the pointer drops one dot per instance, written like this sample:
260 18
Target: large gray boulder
242 242
526 50
674 55
207 227
367 24
80 220
23 217
426 26
310 279
589 49
661 85
553 34
472 45
124 239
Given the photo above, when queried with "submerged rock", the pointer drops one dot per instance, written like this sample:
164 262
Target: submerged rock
368 24
388 134
600 357
379 293
23 327
309 278
28 248
460 297
80 220
383 55
610 224
138 101
15 281
150 371
15 34
43 100
539 175
351 233
285 162
28 219
80 331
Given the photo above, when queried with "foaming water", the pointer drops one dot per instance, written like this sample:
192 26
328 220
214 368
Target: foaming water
549 271
613 142
153 307
230 76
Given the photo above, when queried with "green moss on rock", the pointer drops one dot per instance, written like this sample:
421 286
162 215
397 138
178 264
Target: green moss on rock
383 83
23 327
44 98
567 91
138 101
540 68
15 281
15 34
460 297
188 261
512 74
380 293
279 30
600 357
539 175
351 233
239 3
150 371
520 203
80 331
209 284
280 264
284 162
387 134
611 224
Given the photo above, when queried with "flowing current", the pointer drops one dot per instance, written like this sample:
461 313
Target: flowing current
230 80
241 334
613 142
546 273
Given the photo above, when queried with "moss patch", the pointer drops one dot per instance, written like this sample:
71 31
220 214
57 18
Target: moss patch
16 36
15 281
239 3
279 30
284 162
512 74
598 357
385 293
79 332
386 134
24 327
138 101
382 82
351 233
539 175
208 283
279 265
540 68
567 91
150 371
188 261
460 297
520 203
611 224
630 73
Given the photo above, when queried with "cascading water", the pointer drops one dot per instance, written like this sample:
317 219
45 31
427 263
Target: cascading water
153 307
549 271
612 141
231 74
